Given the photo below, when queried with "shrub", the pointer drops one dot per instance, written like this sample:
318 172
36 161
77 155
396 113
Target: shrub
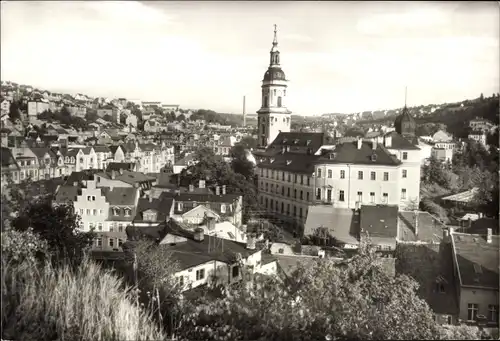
89 303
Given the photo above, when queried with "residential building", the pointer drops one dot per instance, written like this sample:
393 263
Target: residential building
131 120
442 136
37 107
10 168
442 154
51 165
108 110
481 124
273 116
27 161
5 106
478 136
106 210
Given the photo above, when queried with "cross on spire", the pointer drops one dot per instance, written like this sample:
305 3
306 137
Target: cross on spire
275 41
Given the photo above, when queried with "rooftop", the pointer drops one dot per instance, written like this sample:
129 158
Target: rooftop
341 223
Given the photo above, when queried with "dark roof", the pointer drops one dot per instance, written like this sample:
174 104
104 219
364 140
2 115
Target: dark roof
128 177
202 197
66 194
41 151
7 157
299 139
429 228
379 221
431 265
291 162
101 149
400 142
116 166
161 205
477 260
81 176
341 223
404 123
274 73
120 196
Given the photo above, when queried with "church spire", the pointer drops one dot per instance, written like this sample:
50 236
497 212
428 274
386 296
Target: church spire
406 90
275 54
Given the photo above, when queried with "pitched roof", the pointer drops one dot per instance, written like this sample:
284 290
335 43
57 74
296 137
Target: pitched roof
341 223
299 139
120 196
291 162
379 221
116 166
128 177
7 157
101 149
478 261
66 194
430 229
161 205
399 142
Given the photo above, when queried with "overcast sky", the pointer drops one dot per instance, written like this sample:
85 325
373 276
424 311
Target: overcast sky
339 57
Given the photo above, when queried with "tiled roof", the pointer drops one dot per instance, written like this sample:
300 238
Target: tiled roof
116 166
120 196
101 149
478 261
299 139
162 206
128 177
341 223
80 176
379 221
399 142
430 229
41 151
148 147
291 162
66 194
431 265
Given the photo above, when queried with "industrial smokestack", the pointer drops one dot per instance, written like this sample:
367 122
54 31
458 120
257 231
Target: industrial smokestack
244 113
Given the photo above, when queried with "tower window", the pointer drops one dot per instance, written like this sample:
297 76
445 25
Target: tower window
274 92
266 101
279 101
284 92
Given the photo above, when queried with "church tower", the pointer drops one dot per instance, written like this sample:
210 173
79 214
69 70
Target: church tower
273 116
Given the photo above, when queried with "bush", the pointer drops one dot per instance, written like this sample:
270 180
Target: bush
47 303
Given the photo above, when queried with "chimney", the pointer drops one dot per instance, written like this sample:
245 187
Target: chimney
199 235
211 224
201 184
121 171
191 188
388 141
415 221
251 241
360 142
217 190
223 189
446 235
113 174
374 144
489 236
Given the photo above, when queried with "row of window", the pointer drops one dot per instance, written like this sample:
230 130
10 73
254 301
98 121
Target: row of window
275 189
274 205
112 228
94 212
304 179
112 242
473 311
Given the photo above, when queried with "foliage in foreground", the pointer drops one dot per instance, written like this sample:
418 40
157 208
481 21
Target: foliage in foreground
41 302
357 299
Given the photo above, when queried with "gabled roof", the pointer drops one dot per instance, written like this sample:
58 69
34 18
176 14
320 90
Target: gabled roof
161 205
66 194
299 139
399 142
478 261
101 149
7 158
340 222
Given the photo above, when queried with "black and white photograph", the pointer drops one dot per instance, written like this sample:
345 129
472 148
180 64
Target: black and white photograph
250 170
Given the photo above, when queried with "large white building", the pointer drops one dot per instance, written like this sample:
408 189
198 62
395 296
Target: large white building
297 170
273 116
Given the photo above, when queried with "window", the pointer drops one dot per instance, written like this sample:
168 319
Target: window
493 313
111 242
281 250
282 176
180 281
267 186
128 212
91 226
319 172
282 207
98 242
120 242
301 195
283 191
236 271
200 274
448 319
120 227
385 198
405 155
295 194
440 288
386 176
301 179
294 211
472 310
289 177
279 101
288 209
81 211
88 211
360 175
89 198
99 226
300 212
288 192
223 208
341 196
296 179
404 173
318 194
329 195
360 196
403 193
94 212
342 174
329 174
308 181
307 196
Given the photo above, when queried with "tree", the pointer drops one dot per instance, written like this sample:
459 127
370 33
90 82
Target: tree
137 112
181 118
355 299
486 198
59 226
434 173
248 142
91 115
240 162
14 111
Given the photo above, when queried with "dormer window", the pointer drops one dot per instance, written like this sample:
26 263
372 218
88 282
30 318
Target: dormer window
72 160
296 141
332 156
284 140
116 211
223 208
149 216
308 142
128 212
272 160
67 159
288 162
180 206
374 157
